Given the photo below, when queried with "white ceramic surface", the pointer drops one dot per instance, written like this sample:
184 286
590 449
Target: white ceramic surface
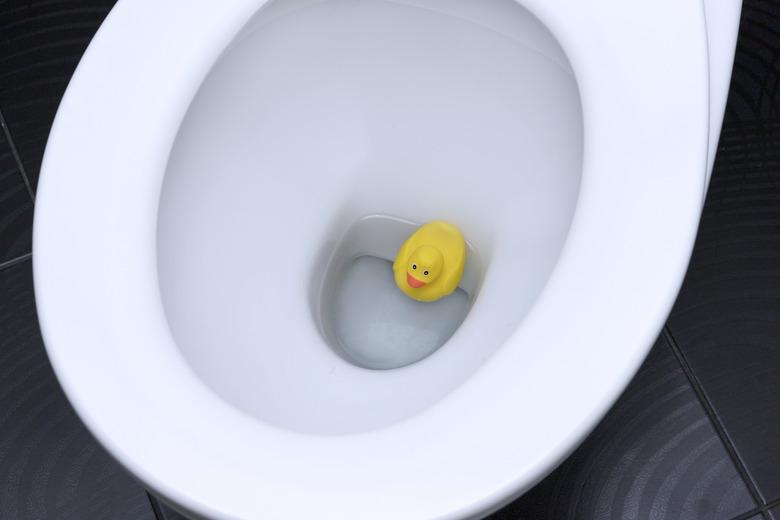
317 117
500 422
722 22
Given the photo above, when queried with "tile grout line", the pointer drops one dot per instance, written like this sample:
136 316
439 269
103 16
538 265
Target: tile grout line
17 157
749 515
771 504
754 514
14 261
158 514
720 429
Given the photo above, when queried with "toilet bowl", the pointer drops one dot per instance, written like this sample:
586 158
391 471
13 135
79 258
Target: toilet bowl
209 161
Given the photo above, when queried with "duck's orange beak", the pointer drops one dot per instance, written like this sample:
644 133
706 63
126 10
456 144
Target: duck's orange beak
413 282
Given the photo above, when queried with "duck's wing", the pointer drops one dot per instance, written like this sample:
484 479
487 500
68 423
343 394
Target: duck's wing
452 276
402 255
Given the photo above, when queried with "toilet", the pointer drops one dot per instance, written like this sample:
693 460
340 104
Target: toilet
216 169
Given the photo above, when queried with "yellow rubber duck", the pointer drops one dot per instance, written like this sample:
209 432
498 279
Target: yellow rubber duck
430 263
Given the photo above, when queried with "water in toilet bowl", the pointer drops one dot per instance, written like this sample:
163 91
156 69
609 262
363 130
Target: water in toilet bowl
366 318
379 327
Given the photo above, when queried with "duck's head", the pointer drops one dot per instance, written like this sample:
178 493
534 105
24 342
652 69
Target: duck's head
424 266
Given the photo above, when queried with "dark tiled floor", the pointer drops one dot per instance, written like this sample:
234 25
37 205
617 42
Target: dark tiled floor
16 206
695 436
40 45
166 513
727 317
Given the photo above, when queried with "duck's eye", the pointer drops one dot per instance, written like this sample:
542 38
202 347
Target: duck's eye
425 273
414 266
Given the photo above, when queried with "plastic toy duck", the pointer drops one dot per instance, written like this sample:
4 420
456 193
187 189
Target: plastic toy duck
430 263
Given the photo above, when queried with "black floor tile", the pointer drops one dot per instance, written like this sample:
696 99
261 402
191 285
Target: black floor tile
168 513
50 466
655 455
16 207
41 44
753 92
727 316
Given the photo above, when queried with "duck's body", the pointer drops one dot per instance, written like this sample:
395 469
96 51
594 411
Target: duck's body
429 265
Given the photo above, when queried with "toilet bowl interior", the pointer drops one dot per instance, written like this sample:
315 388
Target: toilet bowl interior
322 112
361 311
